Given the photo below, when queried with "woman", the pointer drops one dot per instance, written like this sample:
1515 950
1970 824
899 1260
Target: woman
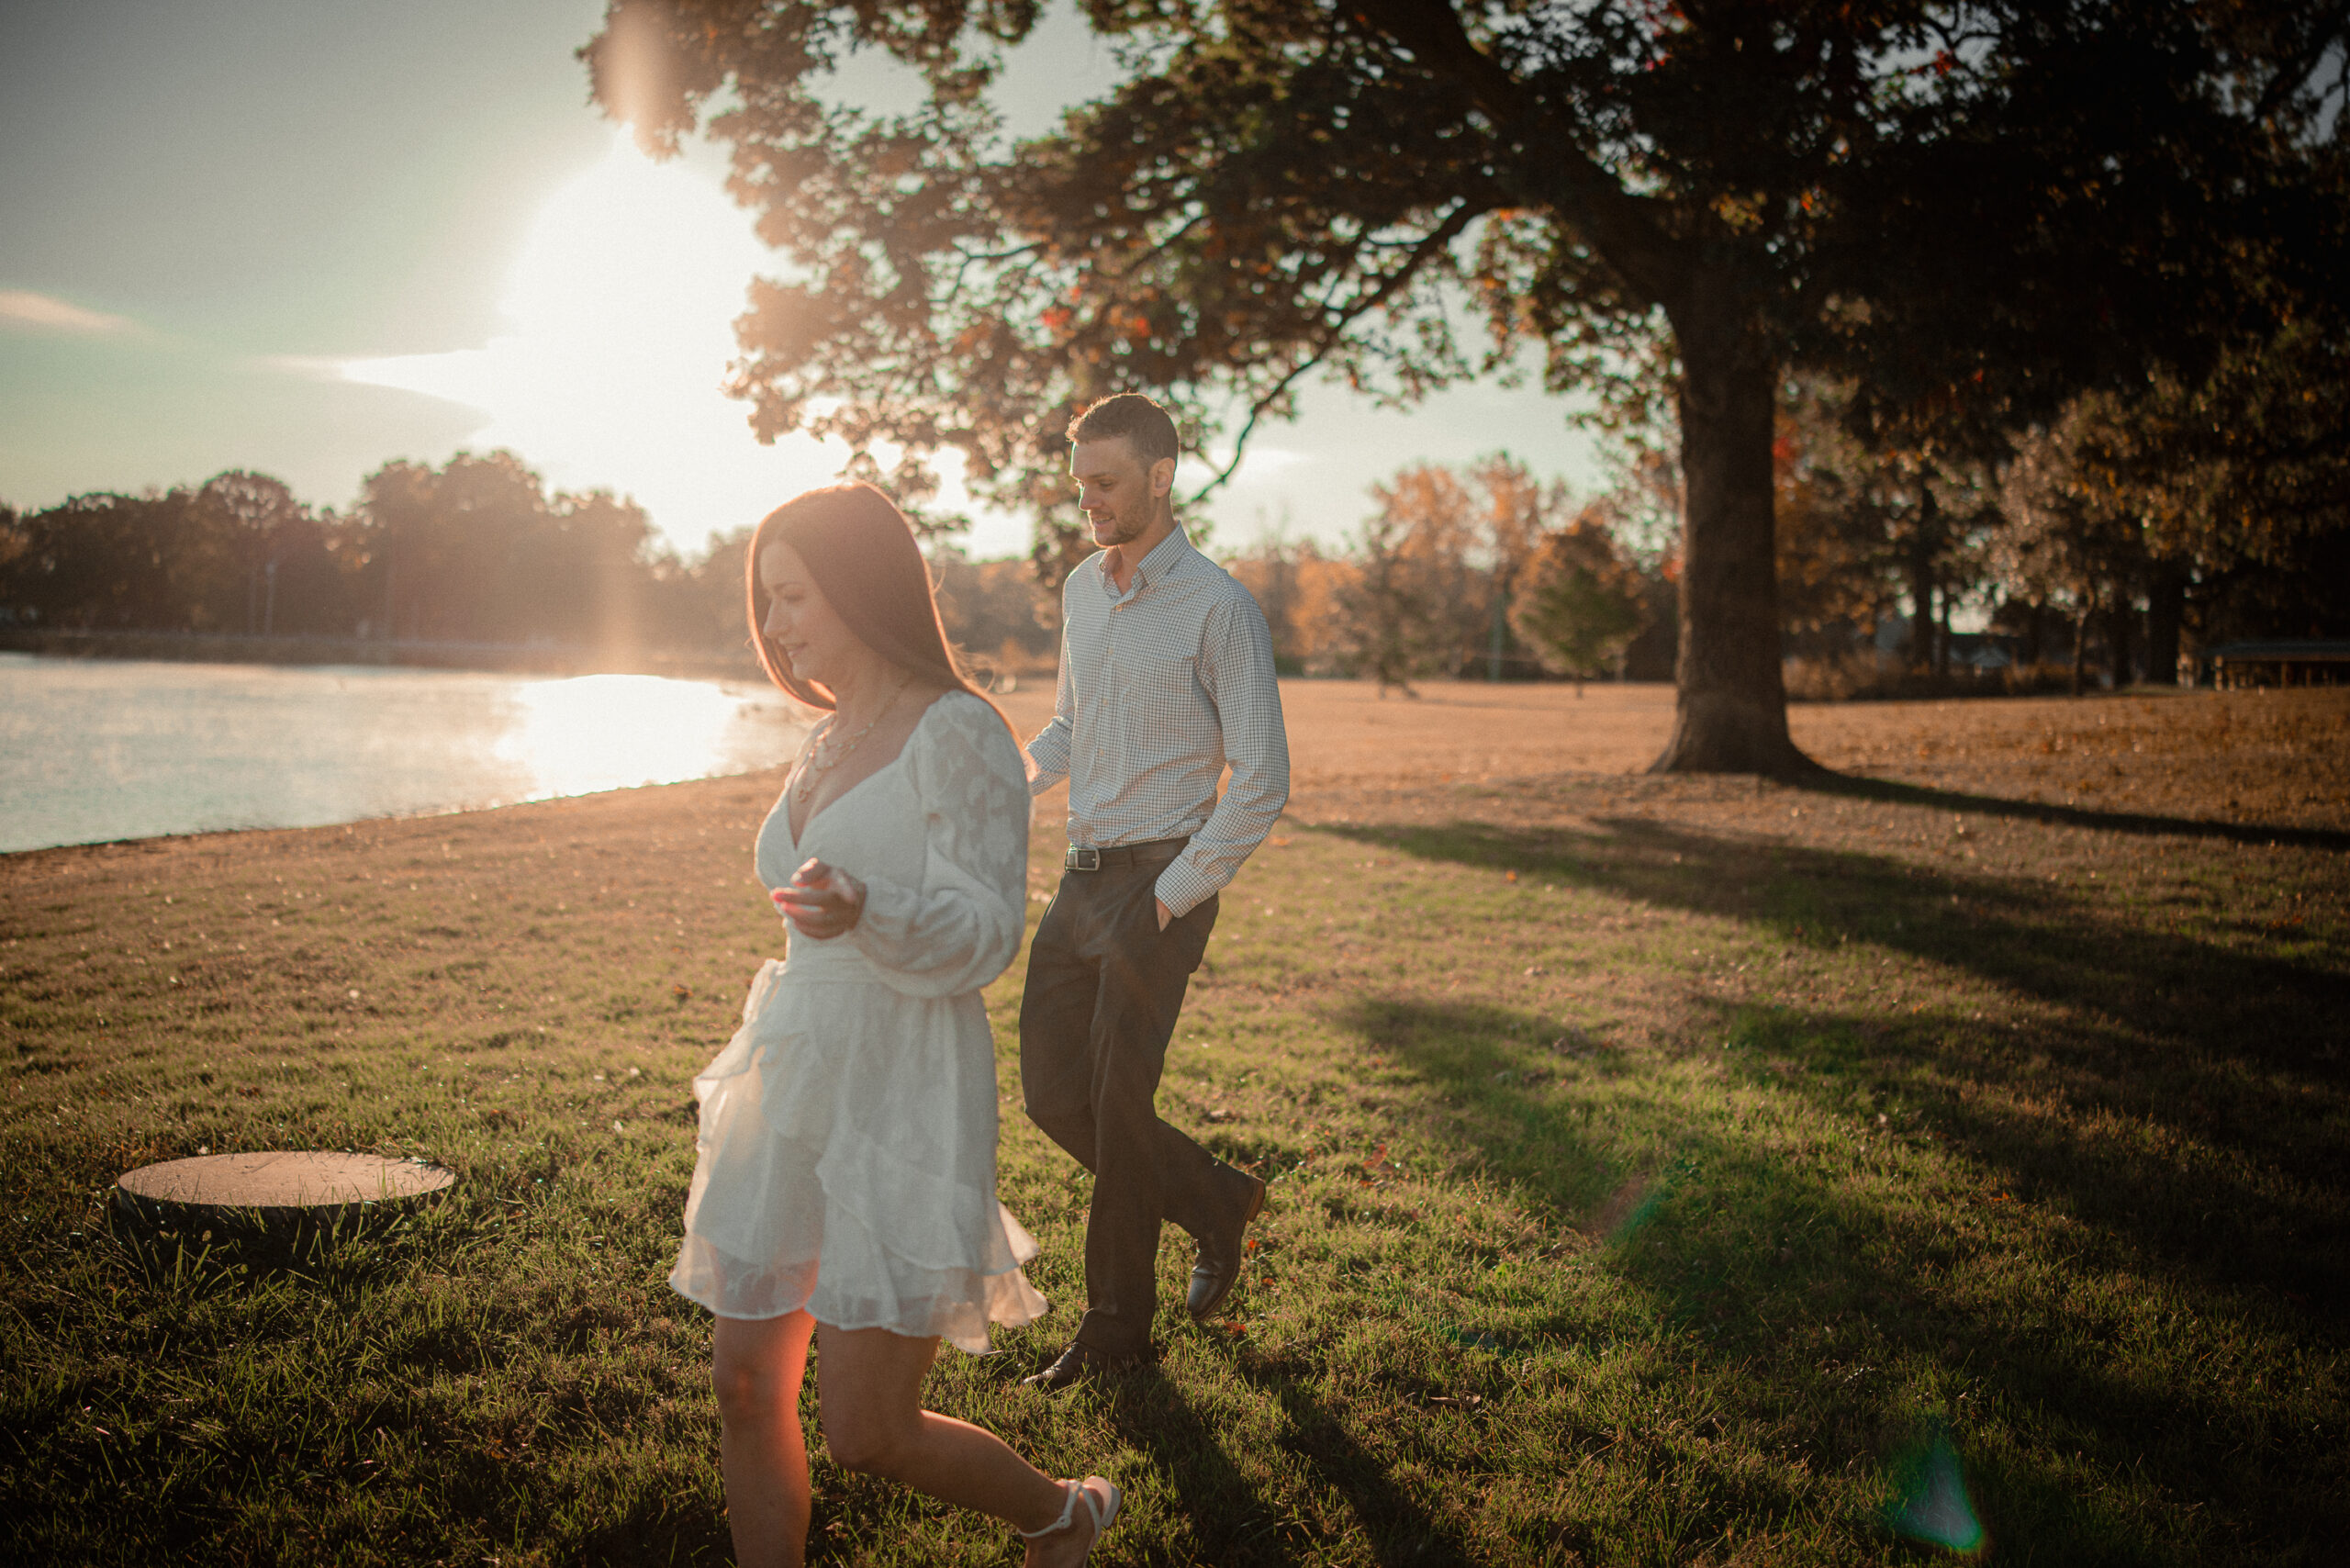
846 1179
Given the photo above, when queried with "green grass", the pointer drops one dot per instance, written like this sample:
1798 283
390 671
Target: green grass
1667 1174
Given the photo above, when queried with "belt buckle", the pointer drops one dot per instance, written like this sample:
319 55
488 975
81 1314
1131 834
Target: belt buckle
1081 859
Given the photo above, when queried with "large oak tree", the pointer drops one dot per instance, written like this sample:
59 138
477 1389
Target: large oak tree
1963 207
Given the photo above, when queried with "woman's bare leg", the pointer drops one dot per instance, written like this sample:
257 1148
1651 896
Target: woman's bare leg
870 1389
756 1366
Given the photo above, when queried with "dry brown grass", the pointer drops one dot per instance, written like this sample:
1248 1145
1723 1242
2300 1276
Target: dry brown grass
2249 758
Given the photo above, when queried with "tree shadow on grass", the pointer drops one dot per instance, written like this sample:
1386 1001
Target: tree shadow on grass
1802 1285
656 1531
2230 1061
2020 934
1400 1530
1893 792
1231 1525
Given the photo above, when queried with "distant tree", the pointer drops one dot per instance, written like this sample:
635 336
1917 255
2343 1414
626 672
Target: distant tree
1835 529
1442 541
1460 538
442 545
13 541
1989 203
2071 544
479 550
1863 523
702 603
594 559
271 563
102 561
1517 512
2219 506
1300 587
996 612
1268 570
1580 600
1384 629
2241 481
236 554
475 550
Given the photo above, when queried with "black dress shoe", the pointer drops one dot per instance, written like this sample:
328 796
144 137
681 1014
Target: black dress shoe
1218 1269
1080 1363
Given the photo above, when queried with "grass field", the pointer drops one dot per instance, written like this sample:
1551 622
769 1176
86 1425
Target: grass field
1664 1170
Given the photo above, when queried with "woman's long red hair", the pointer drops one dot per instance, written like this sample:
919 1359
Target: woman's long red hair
861 552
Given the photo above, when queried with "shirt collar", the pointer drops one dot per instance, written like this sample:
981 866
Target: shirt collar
1169 554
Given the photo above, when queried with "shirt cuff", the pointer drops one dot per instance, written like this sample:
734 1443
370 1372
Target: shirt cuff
1043 772
1183 889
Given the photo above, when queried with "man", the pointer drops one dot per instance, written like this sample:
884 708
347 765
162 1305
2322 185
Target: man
1166 677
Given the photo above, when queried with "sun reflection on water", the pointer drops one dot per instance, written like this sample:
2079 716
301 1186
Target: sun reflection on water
614 731
99 749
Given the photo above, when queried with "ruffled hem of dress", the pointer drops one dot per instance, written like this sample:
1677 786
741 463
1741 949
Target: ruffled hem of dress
794 1208
886 1210
957 1306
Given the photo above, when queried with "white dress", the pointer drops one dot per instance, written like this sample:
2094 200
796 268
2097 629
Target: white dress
845 1162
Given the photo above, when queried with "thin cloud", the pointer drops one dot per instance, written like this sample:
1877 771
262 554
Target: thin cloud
22 307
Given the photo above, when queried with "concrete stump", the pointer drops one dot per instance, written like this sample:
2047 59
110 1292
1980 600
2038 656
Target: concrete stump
279 1189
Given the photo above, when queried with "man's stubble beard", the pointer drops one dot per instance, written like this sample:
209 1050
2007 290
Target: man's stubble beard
1122 530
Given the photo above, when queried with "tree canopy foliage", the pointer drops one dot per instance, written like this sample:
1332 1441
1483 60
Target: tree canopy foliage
1969 211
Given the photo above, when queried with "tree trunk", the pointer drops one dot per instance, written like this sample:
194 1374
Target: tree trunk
2166 610
2081 646
1924 541
2119 637
1941 636
1731 716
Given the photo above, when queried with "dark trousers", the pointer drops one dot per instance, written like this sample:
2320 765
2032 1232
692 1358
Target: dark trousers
1105 985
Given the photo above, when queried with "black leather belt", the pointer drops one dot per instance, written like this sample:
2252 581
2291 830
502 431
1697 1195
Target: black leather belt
1157 852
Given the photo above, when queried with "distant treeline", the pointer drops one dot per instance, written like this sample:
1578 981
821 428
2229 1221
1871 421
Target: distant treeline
475 555
475 550
479 553
2095 549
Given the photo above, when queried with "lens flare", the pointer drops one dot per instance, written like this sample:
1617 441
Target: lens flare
1629 1208
1929 1502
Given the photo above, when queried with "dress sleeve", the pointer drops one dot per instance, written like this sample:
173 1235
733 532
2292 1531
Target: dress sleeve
962 926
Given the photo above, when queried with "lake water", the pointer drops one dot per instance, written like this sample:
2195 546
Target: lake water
97 749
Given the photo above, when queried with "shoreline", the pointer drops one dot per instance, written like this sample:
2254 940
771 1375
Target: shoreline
488 659
2246 764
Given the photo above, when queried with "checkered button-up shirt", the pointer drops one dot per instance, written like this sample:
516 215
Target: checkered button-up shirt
1161 687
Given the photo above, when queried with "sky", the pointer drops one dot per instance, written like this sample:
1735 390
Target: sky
310 237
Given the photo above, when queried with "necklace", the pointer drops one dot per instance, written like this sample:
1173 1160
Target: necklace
824 757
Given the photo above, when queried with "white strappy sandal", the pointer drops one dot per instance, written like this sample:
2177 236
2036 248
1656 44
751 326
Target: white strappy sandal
1099 1511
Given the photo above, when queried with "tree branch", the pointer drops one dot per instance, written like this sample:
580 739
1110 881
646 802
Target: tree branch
2296 66
1430 246
1622 227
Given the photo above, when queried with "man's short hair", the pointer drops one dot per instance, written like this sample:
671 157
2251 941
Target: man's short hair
1130 414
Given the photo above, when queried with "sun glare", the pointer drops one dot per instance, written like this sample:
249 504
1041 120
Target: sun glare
614 731
620 307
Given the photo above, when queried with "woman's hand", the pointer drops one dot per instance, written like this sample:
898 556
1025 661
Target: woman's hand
820 903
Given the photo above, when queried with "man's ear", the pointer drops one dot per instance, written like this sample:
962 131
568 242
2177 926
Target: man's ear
1162 477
